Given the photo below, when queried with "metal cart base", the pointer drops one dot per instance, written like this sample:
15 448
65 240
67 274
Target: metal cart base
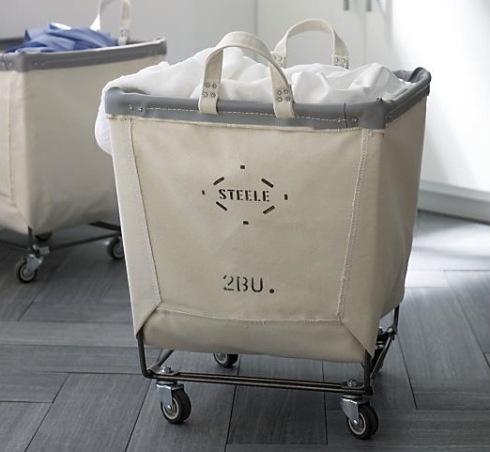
362 420
38 248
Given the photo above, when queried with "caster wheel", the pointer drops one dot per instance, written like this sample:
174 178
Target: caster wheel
225 360
180 409
367 425
23 273
44 237
115 248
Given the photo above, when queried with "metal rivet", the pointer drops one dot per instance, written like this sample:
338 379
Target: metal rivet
286 91
131 107
288 99
204 94
213 94
207 84
279 99
140 108
215 85
279 92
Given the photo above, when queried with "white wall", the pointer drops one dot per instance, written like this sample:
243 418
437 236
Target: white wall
451 38
188 25
275 16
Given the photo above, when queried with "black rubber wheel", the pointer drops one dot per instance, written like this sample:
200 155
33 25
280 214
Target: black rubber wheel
225 359
367 425
43 237
23 274
115 248
180 409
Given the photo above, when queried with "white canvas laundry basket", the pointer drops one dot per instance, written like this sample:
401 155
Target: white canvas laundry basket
250 227
52 173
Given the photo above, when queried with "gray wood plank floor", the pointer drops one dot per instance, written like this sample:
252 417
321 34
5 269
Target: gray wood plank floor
70 381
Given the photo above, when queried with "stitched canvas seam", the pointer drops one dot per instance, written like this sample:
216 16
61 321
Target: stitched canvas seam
351 239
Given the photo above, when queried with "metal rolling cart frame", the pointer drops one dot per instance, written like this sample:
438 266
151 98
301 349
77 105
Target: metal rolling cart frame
361 418
38 247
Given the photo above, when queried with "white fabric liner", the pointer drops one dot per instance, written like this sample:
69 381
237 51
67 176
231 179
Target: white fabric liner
245 79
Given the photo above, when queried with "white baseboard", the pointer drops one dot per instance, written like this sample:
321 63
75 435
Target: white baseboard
454 201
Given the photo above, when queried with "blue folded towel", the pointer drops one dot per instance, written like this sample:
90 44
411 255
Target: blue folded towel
59 38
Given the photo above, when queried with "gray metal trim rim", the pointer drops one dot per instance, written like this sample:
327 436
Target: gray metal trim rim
369 115
25 61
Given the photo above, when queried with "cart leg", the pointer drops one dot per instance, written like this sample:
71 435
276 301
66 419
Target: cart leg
383 342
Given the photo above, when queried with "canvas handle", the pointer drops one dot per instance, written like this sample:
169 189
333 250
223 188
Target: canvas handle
124 22
340 54
282 94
